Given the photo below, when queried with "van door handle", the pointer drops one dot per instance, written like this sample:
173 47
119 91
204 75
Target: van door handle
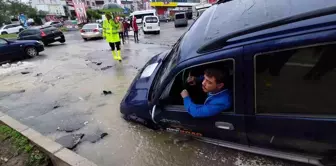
224 125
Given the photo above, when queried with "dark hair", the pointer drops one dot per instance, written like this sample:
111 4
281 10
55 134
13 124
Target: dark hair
218 74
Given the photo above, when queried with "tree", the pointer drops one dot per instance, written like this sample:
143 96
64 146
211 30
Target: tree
14 8
93 14
4 12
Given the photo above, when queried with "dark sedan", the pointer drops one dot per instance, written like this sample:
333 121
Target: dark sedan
17 49
47 35
164 18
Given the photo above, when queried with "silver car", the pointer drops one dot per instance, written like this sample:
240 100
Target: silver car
92 30
54 24
180 19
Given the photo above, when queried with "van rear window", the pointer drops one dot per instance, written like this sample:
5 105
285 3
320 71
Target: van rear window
179 16
151 20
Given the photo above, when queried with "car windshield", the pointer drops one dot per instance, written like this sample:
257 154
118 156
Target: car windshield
90 26
168 64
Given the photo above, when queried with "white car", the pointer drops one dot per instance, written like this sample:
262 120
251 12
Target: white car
92 30
54 24
11 28
151 24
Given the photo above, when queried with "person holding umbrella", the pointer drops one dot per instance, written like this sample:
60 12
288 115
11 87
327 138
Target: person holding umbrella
107 29
111 34
116 39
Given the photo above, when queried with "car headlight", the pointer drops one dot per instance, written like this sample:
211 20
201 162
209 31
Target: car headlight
39 42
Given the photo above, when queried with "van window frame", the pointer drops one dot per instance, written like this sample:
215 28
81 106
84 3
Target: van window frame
184 16
255 83
169 85
157 19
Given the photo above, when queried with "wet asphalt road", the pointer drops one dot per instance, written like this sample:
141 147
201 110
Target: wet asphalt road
62 95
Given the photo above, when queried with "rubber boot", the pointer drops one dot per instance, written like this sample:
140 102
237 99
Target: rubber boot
115 57
119 57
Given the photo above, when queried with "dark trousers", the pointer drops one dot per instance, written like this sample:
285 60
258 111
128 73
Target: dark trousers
126 32
136 36
114 45
121 35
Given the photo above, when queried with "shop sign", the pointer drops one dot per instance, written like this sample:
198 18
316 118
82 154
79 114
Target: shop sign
163 4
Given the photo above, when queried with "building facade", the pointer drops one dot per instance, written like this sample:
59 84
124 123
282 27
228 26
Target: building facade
55 7
168 8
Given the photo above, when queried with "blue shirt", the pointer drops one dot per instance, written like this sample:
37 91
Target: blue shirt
214 104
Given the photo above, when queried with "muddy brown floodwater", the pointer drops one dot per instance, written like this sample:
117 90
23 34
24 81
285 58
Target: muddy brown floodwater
62 97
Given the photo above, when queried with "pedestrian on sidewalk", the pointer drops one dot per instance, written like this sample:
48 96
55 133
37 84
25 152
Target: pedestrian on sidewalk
135 29
121 31
126 28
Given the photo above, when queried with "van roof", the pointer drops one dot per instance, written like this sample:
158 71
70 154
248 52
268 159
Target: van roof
142 12
223 19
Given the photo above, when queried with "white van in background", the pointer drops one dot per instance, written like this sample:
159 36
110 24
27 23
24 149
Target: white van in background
140 14
151 24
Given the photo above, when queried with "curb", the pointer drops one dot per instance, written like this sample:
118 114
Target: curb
59 155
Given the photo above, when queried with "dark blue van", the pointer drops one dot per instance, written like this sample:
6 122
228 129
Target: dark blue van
280 57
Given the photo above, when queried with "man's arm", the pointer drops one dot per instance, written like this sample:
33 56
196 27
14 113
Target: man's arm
206 110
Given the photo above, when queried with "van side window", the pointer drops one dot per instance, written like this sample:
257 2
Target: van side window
196 92
299 81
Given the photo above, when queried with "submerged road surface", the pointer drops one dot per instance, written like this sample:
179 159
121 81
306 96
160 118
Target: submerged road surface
60 94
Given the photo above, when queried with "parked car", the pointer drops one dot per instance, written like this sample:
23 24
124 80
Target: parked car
70 25
279 61
163 18
151 24
92 30
54 24
180 19
11 28
47 35
17 49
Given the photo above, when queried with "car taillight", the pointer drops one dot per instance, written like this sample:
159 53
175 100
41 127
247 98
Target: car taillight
95 30
43 34
144 24
82 31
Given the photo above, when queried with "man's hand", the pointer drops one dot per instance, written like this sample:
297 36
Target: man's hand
184 93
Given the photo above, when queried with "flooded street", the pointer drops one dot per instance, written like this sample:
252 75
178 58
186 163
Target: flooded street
60 93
